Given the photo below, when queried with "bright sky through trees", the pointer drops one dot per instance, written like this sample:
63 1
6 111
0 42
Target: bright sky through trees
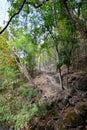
3 12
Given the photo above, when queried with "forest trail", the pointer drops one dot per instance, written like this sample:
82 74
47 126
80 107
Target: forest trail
48 86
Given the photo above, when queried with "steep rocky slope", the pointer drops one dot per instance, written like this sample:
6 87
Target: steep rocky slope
67 109
58 109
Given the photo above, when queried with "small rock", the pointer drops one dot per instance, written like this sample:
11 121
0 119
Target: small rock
61 105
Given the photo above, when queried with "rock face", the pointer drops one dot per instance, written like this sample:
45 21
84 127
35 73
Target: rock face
70 120
82 64
76 80
81 109
69 110
71 116
82 83
74 118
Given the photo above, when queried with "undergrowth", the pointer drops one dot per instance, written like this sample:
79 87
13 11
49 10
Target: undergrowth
20 107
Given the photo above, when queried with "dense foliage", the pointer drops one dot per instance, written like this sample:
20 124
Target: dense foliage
40 33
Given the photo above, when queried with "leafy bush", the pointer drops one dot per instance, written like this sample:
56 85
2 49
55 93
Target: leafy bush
24 116
30 93
5 114
21 107
14 111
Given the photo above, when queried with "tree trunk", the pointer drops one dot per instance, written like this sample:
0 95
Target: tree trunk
74 18
24 70
56 44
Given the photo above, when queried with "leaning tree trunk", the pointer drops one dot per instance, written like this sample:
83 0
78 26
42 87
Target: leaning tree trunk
76 22
24 70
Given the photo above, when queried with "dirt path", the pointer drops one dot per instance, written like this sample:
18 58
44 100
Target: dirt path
48 85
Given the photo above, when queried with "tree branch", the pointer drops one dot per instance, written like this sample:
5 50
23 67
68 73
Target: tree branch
24 2
74 19
13 17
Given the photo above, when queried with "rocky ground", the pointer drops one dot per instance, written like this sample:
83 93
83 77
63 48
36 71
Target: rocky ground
66 109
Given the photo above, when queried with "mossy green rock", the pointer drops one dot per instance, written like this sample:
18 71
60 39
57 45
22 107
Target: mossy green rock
81 109
70 119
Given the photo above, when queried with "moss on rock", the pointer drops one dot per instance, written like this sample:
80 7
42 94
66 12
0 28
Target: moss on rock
71 119
81 108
